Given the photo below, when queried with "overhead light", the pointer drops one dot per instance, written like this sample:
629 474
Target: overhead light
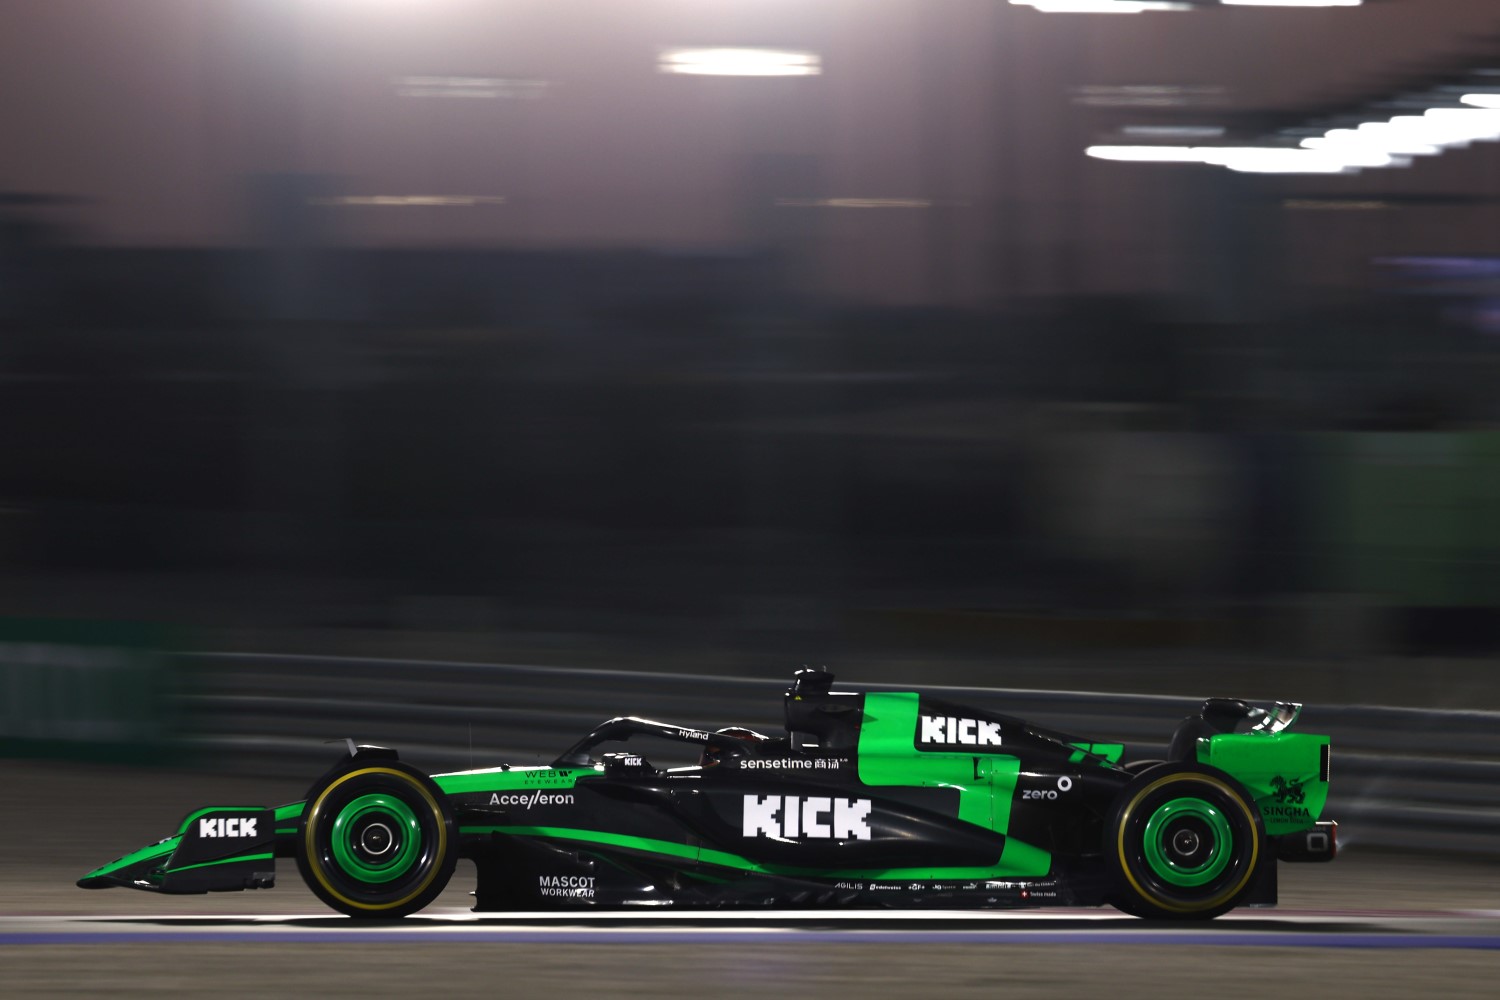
412 200
1253 159
1433 131
1291 3
1405 136
1147 154
739 62
1385 137
1388 143
1100 6
1284 160
1139 6
1460 126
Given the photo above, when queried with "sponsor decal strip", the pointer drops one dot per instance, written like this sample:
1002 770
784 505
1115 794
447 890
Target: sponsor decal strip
566 886
462 782
728 860
792 763
536 797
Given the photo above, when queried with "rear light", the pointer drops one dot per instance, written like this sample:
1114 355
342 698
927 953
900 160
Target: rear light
1318 843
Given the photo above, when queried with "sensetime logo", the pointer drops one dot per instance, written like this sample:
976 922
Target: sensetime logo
813 817
945 730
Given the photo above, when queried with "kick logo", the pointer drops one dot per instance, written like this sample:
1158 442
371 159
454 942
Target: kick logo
234 826
947 730
813 817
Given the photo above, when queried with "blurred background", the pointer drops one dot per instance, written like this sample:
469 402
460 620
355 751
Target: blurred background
939 341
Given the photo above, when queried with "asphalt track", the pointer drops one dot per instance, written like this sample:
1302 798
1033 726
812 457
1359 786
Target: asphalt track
1473 929
1368 925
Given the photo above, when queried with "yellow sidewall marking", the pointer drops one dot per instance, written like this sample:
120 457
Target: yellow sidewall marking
314 816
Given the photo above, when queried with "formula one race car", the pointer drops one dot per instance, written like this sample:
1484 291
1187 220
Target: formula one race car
876 799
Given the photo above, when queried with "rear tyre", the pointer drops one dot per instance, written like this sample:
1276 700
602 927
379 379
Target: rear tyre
376 840
1184 842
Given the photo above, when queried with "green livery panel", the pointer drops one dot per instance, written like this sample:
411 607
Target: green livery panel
1285 773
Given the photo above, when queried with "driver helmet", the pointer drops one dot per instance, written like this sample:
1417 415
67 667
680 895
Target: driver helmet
715 750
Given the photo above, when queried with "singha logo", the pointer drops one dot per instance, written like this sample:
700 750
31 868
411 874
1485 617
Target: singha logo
1289 792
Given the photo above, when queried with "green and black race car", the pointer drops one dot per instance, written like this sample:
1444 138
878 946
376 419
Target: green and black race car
869 799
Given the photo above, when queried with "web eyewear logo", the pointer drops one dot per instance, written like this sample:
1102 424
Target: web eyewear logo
814 817
947 730
231 827
527 800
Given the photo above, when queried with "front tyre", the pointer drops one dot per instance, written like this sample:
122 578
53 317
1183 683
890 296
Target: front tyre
1184 842
376 840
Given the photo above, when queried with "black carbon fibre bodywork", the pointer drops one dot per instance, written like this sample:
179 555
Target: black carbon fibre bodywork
878 799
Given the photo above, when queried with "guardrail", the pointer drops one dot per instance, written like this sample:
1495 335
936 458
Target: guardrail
1404 778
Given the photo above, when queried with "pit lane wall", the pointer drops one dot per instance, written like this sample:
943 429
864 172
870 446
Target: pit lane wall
1416 779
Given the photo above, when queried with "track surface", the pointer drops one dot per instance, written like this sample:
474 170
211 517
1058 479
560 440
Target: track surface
1478 930
1368 926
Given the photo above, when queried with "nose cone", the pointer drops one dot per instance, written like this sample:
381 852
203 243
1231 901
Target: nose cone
134 870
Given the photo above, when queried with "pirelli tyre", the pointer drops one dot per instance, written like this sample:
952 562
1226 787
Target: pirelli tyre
376 840
1183 843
